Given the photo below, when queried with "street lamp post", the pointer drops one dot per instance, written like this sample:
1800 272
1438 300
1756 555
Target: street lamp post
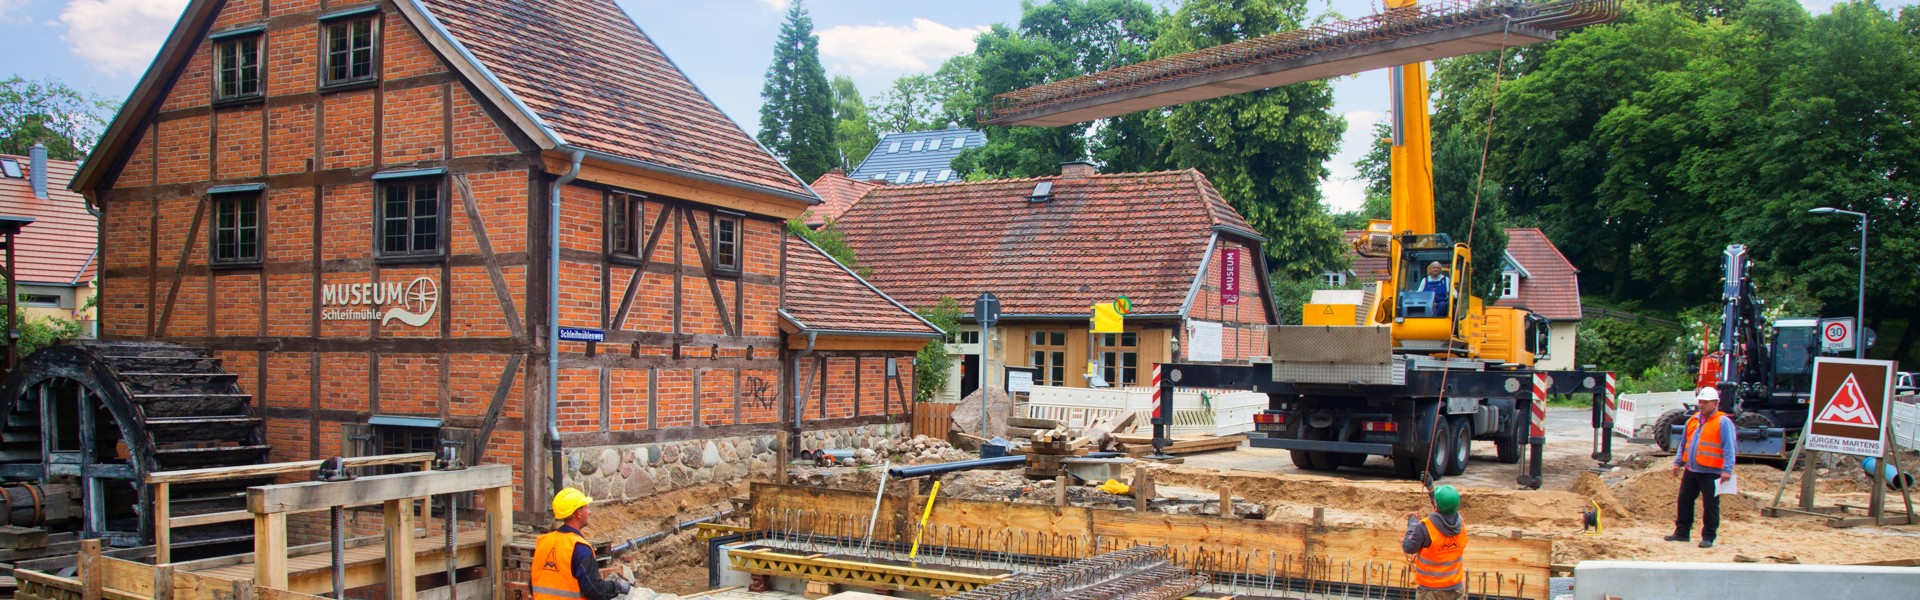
1860 309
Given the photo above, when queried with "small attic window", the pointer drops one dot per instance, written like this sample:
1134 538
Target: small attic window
919 176
1042 192
946 174
12 168
958 142
878 177
902 177
919 144
893 147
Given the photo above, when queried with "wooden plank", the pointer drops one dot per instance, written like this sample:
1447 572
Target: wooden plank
91 579
208 519
14 536
273 594
125 575
304 466
317 495
270 549
499 533
163 522
162 582
366 565
192 586
772 501
399 521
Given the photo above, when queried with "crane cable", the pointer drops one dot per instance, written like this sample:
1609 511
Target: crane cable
1486 146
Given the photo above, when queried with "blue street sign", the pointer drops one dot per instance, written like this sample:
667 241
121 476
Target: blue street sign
582 334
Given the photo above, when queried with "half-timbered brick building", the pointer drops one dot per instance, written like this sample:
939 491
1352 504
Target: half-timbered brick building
378 213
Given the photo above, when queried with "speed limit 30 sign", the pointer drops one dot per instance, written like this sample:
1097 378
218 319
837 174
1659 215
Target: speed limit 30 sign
1837 335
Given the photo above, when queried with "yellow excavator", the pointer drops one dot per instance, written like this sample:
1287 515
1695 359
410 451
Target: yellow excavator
1414 368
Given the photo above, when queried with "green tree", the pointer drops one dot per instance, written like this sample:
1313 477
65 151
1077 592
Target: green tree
932 366
797 111
1055 41
943 99
48 112
1266 151
852 124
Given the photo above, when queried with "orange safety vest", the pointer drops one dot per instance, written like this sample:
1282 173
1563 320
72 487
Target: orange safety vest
553 566
1707 450
1437 566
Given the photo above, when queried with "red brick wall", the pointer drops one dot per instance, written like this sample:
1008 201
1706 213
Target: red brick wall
876 395
315 150
1244 333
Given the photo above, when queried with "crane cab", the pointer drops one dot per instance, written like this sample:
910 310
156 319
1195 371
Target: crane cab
1429 294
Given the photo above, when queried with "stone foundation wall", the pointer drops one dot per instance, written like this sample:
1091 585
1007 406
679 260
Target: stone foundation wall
615 473
864 436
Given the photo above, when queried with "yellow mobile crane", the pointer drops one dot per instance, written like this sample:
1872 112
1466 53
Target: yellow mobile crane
1415 367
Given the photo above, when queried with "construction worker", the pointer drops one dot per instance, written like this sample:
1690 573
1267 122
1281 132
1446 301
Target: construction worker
1703 460
1437 544
564 567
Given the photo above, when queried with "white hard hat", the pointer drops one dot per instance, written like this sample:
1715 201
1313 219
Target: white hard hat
1707 394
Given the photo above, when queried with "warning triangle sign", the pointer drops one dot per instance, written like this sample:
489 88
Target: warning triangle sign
1848 406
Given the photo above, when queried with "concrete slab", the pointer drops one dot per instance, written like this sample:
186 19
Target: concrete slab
1598 580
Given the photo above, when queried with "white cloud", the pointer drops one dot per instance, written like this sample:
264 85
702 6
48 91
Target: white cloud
779 5
859 49
14 11
119 36
1344 191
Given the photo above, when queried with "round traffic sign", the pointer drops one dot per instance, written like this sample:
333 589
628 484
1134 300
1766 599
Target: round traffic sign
1123 304
1835 332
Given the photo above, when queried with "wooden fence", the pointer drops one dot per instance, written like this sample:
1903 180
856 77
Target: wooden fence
933 419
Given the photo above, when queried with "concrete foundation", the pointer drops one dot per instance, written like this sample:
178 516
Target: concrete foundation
1598 580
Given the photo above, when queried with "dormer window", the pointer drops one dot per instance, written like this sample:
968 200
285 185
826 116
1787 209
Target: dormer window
1509 285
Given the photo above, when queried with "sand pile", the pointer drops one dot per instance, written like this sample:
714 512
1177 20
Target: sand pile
1485 507
1594 489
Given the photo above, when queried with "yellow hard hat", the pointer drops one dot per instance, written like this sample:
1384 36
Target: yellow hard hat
567 501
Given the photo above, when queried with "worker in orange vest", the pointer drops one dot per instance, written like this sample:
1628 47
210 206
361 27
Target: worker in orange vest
1438 543
1704 461
564 567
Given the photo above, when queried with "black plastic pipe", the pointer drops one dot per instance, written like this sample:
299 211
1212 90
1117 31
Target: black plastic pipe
968 465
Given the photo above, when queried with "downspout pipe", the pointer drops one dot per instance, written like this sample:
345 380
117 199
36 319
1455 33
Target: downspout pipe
557 462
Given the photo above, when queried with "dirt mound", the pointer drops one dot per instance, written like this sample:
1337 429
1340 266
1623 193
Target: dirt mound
1652 494
1596 490
1481 507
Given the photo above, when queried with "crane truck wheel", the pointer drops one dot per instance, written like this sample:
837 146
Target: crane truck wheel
1462 444
1507 448
1440 459
1303 459
1663 428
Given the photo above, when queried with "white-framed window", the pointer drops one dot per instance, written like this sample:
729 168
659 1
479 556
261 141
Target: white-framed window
919 176
946 174
902 177
893 147
1509 285
958 142
1334 278
919 144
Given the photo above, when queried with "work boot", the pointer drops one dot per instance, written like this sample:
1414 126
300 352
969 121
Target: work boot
1706 543
1678 537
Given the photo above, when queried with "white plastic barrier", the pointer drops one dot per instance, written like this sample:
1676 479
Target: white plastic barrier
1223 412
1906 421
1638 411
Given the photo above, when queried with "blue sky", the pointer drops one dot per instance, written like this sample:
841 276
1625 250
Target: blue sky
103 46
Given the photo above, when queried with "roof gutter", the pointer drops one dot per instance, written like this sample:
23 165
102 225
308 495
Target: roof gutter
701 177
557 461
811 332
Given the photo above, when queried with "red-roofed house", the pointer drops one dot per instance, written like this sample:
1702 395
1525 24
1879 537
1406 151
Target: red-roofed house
1051 247
377 213
1534 276
57 253
837 193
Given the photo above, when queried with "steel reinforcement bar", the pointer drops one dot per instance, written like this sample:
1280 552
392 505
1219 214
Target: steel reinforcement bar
1377 29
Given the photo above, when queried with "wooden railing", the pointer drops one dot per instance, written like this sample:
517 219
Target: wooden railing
162 482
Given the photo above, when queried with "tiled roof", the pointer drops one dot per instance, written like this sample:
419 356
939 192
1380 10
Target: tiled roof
1139 234
59 247
822 295
917 156
601 84
1551 288
1367 268
837 192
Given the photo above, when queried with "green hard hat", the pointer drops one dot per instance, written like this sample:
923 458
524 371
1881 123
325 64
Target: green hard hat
1446 499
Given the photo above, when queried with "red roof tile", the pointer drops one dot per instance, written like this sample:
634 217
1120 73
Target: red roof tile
1551 288
59 247
837 192
1139 234
598 81
823 295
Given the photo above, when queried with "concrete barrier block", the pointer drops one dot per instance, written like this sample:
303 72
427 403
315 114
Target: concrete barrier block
1635 580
